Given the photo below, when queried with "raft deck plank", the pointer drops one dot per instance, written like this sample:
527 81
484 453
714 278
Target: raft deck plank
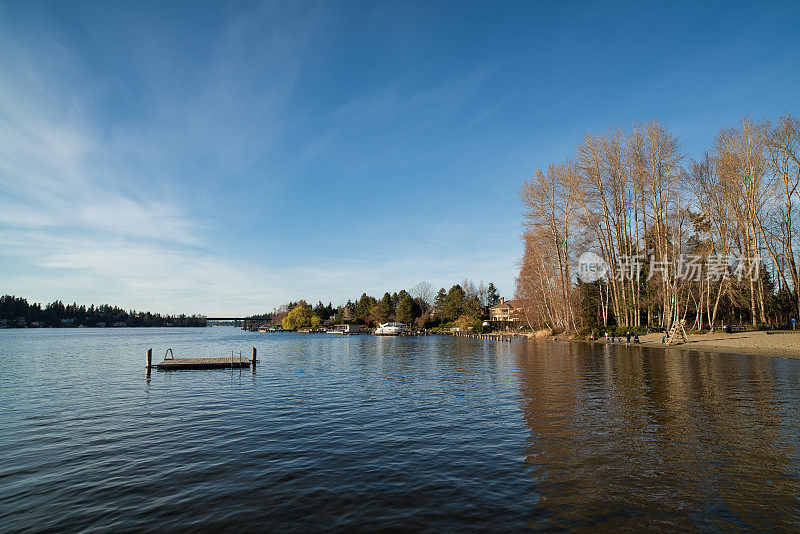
203 363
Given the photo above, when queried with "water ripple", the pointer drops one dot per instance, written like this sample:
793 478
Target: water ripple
340 433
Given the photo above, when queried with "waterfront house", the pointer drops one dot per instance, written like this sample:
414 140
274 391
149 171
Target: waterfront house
506 312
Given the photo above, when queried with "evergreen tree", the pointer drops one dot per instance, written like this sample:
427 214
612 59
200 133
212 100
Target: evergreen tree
453 303
386 308
405 310
492 297
438 303
349 312
364 307
473 308
588 304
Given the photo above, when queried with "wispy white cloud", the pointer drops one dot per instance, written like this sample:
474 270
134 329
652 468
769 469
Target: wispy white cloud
230 107
95 208
419 110
73 209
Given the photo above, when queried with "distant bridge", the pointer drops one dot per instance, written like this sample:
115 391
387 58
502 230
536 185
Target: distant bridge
237 321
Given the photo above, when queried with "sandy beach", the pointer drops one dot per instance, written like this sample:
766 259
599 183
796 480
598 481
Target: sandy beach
756 343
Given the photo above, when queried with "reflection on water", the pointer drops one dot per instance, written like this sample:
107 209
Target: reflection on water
339 432
626 437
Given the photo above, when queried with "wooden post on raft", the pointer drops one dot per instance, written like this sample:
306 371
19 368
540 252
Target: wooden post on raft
254 359
149 358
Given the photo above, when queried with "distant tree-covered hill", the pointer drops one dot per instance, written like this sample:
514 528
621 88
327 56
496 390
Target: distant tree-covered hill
18 312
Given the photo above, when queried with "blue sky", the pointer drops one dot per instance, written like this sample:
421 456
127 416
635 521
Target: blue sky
225 158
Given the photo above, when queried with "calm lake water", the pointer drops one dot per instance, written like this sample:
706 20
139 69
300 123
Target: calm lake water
432 433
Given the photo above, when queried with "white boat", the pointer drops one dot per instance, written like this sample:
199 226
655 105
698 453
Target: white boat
344 329
391 329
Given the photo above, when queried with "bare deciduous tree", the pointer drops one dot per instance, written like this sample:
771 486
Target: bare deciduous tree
627 195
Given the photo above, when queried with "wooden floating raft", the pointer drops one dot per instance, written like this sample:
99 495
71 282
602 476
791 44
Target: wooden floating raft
204 363
172 363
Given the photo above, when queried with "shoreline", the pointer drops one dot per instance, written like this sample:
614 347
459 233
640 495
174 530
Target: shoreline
755 343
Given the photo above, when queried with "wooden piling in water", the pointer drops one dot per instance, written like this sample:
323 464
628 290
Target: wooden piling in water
149 358
254 360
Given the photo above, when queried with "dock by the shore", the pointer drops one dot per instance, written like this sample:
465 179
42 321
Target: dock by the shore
497 336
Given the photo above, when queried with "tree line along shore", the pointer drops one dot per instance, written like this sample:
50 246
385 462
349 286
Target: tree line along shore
710 241
464 306
16 312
